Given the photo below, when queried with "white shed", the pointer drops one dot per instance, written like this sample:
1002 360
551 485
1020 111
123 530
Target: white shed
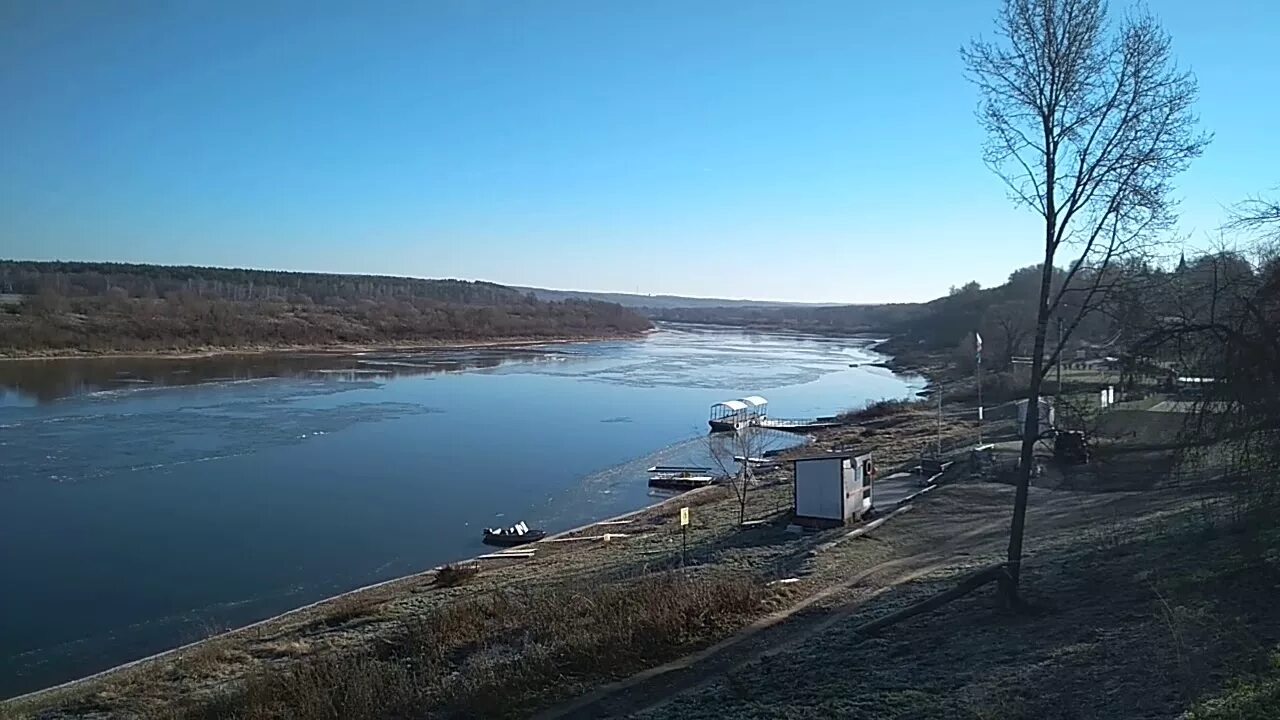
1047 418
832 488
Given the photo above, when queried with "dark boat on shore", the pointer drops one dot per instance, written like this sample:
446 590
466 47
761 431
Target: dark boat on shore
518 534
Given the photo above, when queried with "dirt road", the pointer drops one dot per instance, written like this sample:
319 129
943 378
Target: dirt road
949 542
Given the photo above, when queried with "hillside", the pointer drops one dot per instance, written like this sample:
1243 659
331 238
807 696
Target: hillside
658 302
58 307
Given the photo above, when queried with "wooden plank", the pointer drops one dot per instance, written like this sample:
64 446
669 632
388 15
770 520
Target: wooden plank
517 555
605 537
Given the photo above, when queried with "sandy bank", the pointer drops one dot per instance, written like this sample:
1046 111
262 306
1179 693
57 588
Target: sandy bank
322 349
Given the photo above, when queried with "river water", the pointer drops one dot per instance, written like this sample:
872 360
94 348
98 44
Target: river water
145 502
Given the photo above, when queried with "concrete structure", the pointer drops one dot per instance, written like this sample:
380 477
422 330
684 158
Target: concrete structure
832 488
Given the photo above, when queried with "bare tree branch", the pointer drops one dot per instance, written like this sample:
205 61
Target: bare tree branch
731 453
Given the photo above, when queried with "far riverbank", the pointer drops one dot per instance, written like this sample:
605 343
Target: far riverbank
319 348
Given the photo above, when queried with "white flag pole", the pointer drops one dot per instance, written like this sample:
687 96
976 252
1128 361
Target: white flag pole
978 345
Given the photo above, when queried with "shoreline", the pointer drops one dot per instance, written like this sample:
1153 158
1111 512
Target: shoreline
655 508
287 614
715 520
316 349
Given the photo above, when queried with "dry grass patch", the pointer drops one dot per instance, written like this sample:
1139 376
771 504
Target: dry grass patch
455 574
504 652
347 609
282 649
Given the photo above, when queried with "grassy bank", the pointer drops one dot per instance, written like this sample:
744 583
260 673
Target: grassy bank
497 654
1159 616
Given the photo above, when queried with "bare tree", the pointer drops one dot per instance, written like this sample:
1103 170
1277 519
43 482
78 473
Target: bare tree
1087 123
731 453
1222 323
1007 326
1260 218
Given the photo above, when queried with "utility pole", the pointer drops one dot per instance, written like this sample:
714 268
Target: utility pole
1058 391
939 418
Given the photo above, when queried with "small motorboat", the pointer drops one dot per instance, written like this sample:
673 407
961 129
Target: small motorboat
518 534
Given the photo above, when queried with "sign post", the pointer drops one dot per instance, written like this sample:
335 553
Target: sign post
684 532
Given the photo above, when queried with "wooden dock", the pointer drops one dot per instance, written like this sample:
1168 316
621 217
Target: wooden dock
796 424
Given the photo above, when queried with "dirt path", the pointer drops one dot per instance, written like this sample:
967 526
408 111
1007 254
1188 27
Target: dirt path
793 626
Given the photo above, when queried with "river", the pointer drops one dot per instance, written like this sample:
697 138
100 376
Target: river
147 502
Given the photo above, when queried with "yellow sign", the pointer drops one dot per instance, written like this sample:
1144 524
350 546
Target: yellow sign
684 516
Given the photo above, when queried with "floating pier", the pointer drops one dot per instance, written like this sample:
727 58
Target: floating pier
753 411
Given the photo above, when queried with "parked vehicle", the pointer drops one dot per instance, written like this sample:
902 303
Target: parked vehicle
1069 447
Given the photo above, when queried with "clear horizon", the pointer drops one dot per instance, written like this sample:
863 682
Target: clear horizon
813 152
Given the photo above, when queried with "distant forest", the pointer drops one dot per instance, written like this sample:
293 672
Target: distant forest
1141 302
819 319
101 307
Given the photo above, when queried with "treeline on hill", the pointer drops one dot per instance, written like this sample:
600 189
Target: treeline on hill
821 319
1004 315
1130 313
63 306
1119 314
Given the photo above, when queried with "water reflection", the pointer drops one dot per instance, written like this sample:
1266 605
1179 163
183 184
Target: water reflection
27 382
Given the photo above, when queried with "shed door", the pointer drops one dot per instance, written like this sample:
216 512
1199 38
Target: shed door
818 489
852 484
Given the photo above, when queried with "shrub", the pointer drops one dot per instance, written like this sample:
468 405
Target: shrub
454 575
876 409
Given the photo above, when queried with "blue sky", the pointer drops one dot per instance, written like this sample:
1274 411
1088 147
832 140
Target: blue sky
809 150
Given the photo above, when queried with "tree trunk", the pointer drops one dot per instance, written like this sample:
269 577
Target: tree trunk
1031 426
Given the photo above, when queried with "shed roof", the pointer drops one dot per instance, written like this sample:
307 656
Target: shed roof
735 405
1026 401
832 455
755 401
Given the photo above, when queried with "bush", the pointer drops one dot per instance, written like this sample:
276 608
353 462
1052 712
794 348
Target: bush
454 575
1254 699
877 409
